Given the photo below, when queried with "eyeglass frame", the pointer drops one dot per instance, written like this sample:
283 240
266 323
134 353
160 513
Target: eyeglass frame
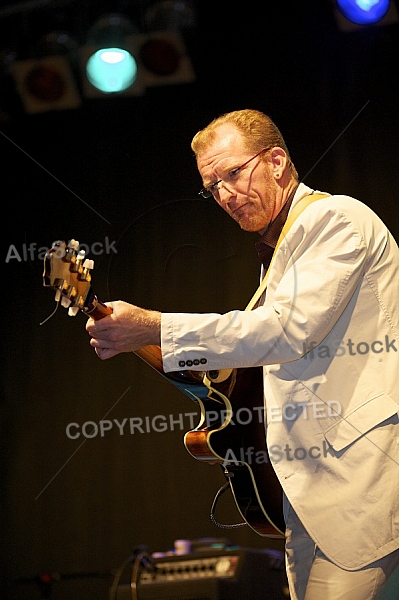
207 191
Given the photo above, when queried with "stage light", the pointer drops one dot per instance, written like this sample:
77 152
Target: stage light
108 64
45 81
162 58
46 84
111 70
363 12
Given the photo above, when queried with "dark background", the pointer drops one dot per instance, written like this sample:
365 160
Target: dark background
121 168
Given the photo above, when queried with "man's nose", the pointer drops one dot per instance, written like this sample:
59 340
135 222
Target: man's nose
226 193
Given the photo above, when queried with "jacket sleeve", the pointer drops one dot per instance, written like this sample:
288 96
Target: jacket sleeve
316 270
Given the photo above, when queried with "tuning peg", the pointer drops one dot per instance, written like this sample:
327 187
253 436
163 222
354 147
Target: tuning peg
76 263
73 311
88 264
73 244
65 302
71 250
84 271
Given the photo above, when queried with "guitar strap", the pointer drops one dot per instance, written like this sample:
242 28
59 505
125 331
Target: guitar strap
293 215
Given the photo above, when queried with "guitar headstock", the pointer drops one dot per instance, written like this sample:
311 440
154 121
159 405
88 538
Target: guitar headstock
67 271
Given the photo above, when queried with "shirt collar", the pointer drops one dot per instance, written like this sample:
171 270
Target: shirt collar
267 243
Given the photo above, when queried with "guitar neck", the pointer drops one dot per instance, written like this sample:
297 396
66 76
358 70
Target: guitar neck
152 355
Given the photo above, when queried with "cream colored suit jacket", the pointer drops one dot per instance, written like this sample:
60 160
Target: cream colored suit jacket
327 335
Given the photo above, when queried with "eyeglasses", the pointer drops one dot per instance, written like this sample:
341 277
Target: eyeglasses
231 176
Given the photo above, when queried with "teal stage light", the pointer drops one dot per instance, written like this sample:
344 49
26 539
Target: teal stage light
111 70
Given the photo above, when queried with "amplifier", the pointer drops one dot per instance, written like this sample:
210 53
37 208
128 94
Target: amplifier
215 575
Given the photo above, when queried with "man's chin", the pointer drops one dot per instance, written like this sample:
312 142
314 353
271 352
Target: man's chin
252 226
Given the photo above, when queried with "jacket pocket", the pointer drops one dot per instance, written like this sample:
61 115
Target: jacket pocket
356 423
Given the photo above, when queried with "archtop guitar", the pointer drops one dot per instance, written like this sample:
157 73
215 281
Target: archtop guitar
231 430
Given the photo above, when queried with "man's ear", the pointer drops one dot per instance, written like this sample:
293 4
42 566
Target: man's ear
278 160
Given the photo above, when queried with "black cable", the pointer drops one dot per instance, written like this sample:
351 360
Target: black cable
134 580
117 577
140 557
222 490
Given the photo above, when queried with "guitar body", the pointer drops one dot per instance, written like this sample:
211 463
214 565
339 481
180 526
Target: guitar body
231 431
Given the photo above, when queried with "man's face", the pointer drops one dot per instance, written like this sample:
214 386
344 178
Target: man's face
248 195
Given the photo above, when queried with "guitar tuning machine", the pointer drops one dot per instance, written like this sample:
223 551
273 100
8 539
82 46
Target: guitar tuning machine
65 302
63 291
88 265
71 250
77 262
73 245
80 258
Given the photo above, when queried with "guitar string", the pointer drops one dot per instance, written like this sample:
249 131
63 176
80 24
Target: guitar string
52 314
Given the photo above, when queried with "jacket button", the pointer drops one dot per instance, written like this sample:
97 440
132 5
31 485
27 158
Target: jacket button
182 363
